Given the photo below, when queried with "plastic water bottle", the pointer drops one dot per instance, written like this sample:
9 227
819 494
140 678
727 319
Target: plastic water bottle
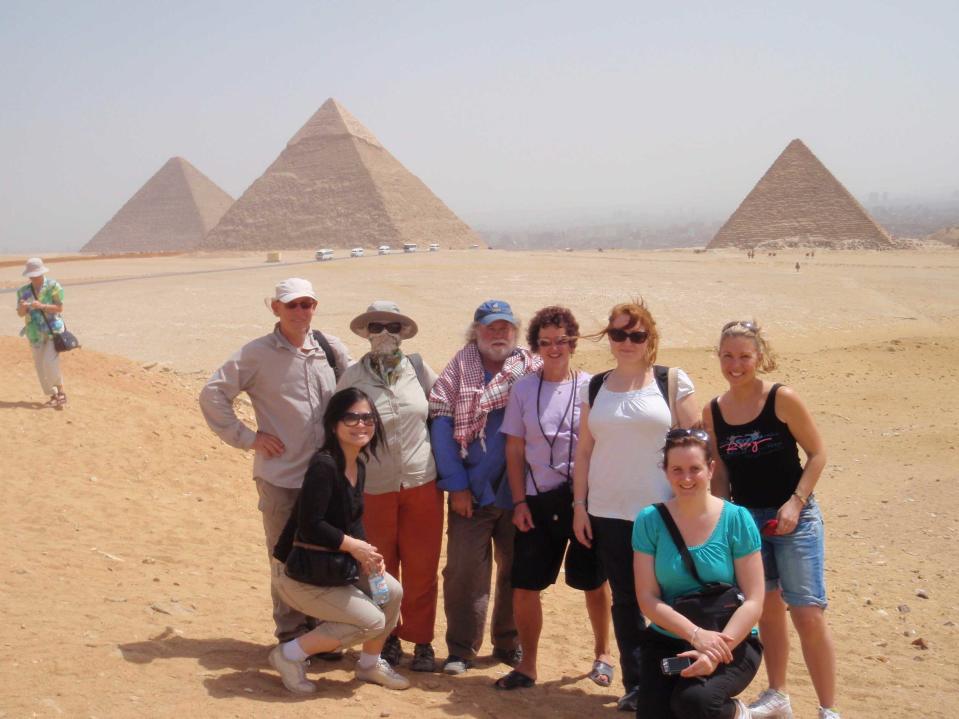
379 592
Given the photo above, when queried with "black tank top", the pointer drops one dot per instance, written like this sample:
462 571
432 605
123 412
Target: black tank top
761 457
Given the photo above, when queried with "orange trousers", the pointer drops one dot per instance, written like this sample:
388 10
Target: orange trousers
407 529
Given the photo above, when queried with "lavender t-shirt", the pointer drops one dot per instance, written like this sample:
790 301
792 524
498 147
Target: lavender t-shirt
559 410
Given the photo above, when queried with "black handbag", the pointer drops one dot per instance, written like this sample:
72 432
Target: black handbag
713 605
319 567
62 341
65 341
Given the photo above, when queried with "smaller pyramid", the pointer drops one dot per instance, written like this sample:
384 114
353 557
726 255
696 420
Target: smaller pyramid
799 200
335 185
173 211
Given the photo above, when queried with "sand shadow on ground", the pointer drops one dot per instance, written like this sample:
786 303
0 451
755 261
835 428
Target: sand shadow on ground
469 695
475 696
22 405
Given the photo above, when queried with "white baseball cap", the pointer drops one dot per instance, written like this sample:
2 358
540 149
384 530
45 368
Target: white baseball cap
34 268
292 289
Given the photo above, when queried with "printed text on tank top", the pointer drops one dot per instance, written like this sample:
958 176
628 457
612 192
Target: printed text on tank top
755 441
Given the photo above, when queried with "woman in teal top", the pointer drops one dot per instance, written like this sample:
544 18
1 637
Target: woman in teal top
724 543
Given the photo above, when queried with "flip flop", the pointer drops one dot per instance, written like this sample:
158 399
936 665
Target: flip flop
602 673
514 680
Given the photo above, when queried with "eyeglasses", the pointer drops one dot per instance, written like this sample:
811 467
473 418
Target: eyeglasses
748 326
302 304
682 433
351 419
393 328
559 342
637 338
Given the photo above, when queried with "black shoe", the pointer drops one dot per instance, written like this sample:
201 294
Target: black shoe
629 700
424 660
509 657
392 651
326 656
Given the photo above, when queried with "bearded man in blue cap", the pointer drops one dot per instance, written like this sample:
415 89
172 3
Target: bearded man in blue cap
467 405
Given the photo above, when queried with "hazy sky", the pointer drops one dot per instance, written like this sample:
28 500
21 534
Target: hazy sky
509 111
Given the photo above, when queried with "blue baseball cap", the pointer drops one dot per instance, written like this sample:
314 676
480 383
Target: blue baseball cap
493 310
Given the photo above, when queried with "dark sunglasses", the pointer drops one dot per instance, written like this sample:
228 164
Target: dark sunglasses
637 338
302 304
393 328
748 326
559 341
351 419
681 433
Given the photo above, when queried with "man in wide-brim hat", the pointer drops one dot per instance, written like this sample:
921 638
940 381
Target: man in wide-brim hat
403 509
40 303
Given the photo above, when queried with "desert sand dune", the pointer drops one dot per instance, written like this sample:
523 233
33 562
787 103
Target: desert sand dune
134 583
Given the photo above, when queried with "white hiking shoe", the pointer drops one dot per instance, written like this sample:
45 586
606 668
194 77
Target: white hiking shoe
828 713
771 704
292 673
383 674
742 711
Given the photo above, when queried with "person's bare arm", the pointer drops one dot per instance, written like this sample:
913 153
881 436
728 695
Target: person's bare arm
791 410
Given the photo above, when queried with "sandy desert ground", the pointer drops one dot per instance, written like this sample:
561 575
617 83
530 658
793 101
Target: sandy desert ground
134 583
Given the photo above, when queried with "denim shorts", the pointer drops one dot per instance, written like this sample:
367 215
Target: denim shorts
795 562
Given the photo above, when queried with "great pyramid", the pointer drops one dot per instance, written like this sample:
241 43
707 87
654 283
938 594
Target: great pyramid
173 211
335 185
799 200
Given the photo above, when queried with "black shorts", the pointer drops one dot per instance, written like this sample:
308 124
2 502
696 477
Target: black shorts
538 553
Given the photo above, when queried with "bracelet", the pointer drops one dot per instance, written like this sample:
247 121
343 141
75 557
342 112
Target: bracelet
579 502
801 499
692 637
516 504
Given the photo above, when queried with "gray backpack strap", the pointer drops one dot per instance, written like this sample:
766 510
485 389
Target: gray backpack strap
417 361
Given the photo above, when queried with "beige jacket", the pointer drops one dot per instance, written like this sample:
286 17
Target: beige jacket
407 461
289 390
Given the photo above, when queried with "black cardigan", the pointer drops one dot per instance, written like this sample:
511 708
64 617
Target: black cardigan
327 508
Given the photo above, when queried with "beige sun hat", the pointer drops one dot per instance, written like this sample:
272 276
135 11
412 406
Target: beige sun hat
383 311
34 268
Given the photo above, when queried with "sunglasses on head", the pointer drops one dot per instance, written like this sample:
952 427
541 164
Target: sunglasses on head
351 419
748 326
393 328
302 304
559 342
637 337
682 433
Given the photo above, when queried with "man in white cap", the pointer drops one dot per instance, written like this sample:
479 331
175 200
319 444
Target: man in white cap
40 303
289 375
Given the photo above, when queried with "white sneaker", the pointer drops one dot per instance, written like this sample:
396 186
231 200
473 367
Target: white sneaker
771 704
292 673
828 713
742 711
383 674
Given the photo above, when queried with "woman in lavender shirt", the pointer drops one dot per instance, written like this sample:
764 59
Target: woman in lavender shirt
542 426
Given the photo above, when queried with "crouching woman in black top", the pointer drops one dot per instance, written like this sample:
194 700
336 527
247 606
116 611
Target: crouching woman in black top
333 561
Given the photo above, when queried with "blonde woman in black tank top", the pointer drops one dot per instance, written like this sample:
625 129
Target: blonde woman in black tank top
756 427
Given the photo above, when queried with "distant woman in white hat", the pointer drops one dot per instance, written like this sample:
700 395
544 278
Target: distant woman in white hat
403 507
40 303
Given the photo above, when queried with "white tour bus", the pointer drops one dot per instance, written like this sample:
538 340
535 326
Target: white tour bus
383 250
356 252
323 255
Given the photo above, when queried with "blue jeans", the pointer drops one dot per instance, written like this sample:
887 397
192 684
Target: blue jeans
795 562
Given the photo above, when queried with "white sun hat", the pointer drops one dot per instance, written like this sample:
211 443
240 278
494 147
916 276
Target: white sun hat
34 268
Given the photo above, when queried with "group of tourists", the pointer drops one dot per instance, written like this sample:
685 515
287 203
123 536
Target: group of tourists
649 505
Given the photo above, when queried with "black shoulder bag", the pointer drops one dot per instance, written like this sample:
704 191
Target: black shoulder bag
713 605
62 341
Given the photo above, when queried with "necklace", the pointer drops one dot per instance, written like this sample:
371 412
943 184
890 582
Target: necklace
559 426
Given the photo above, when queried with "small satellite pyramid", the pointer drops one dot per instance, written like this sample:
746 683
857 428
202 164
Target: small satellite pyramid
173 211
798 199
335 185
